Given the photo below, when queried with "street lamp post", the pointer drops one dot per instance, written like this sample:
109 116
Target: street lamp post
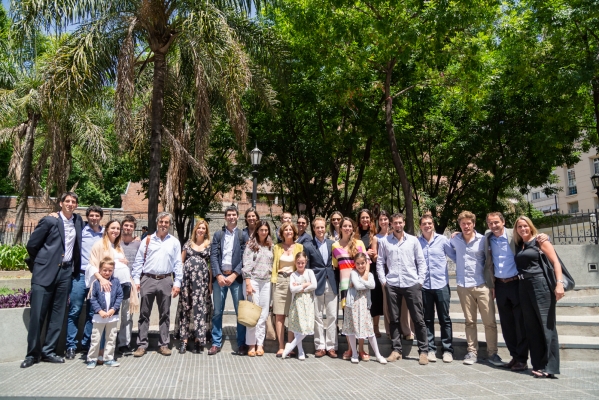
256 157
593 217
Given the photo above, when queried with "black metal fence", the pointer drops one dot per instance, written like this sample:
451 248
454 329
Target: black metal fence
573 228
9 231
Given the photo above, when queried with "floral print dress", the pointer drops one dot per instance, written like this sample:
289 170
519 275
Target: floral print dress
195 302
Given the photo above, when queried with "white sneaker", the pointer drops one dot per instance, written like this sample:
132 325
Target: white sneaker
355 360
91 364
470 358
432 357
447 357
381 359
301 357
287 350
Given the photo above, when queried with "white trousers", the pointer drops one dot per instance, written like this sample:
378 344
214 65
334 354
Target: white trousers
124 337
255 335
325 329
94 347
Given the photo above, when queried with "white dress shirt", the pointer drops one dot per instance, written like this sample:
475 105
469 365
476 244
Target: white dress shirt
69 236
228 250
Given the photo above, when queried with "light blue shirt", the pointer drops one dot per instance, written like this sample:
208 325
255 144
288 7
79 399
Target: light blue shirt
322 247
164 257
503 258
470 260
89 237
404 260
435 253
229 240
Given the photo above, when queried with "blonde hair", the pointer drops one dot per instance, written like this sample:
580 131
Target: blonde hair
352 245
195 228
282 229
467 215
106 261
117 240
533 230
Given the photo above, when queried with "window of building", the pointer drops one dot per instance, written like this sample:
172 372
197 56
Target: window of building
596 166
536 195
571 182
573 207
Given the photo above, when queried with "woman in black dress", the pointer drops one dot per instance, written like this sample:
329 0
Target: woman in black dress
537 299
195 302
366 232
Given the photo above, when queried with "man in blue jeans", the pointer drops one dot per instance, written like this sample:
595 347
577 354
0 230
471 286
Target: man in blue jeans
91 233
226 254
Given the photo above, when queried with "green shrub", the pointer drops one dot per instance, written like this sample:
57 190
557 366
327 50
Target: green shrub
12 258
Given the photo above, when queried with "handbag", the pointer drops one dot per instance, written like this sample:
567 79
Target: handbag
271 332
549 273
248 313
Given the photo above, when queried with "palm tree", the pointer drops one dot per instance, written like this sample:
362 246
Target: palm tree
117 40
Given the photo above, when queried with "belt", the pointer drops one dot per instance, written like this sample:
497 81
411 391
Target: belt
526 275
285 274
66 264
227 272
506 280
157 277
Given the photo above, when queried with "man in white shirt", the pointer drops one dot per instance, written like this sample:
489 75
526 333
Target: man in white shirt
158 258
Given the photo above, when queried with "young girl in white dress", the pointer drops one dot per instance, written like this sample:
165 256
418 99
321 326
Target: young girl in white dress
302 284
357 321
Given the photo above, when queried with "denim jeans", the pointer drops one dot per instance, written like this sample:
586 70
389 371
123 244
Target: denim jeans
439 299
219 295
77 296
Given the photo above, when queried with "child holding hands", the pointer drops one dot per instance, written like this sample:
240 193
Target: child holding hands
302 284
106 307
357 321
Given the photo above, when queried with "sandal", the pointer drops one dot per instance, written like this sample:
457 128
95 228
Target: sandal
542 374
363 356
252 353
279 353
260 352
347 355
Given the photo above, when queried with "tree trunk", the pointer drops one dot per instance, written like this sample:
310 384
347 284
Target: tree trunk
156 139
397 162
25 178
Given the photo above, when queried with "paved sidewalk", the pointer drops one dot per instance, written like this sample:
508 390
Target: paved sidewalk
227 376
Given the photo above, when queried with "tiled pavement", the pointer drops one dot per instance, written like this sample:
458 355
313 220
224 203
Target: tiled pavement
227 376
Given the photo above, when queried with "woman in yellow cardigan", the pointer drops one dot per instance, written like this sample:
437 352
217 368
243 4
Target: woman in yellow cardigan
282 267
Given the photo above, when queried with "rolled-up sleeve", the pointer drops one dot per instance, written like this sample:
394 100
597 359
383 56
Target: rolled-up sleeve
380 262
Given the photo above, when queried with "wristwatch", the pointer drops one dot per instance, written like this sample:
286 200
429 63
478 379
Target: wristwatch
562 282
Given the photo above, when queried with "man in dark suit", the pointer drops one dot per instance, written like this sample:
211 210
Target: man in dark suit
320 260
226 255
54 258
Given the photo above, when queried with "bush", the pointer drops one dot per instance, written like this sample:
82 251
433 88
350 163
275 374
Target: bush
21 298
12 258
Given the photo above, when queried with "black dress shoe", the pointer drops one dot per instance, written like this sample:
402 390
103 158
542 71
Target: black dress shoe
198 348
125 350
54 359
28 362
182 348
70 354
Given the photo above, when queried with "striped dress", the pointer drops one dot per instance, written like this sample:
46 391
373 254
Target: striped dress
345 263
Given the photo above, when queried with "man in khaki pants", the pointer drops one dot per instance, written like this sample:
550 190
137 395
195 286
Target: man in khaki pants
473 288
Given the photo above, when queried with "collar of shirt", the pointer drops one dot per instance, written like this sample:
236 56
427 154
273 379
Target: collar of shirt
394 240
228 232
65 218
322 247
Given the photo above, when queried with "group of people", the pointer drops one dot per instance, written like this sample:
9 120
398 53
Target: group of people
369 269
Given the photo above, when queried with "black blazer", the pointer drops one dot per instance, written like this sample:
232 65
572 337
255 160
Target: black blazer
322 270
46 248
216 255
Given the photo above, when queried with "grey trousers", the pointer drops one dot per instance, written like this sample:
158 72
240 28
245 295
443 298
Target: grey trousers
160 290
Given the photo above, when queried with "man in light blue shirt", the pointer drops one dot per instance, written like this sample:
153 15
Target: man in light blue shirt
473 291
402 269
158 258
90 234
435 290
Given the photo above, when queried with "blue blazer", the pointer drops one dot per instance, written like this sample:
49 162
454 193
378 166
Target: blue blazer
216 255
323 269
46 247
98 301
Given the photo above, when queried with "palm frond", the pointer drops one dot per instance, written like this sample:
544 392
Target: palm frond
125 85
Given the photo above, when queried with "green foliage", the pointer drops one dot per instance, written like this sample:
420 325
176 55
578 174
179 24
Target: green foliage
12 258
6 186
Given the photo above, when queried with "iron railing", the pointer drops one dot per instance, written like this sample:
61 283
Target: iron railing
573 228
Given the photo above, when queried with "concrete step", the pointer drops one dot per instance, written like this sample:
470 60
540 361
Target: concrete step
579 306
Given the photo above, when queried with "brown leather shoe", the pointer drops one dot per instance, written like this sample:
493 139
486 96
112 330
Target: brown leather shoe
394 356
320 353
511 363
518 366
423 359
332 353
213 350
347 355
164 350
139 352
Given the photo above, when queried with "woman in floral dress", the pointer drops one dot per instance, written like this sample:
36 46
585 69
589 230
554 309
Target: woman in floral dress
195 302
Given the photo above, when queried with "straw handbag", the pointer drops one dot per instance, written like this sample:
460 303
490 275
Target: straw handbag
248 313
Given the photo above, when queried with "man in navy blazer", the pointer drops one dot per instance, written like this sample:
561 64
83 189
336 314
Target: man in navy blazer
226 255
320 260
54 257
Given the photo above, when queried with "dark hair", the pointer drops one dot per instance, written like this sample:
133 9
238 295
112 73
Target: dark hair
256 239
426 215
360 255
67 194
371 228
331 227
302 216
95 209
231 208
249 210
301 254
397 215
496 214
144 227
130 218
386 214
